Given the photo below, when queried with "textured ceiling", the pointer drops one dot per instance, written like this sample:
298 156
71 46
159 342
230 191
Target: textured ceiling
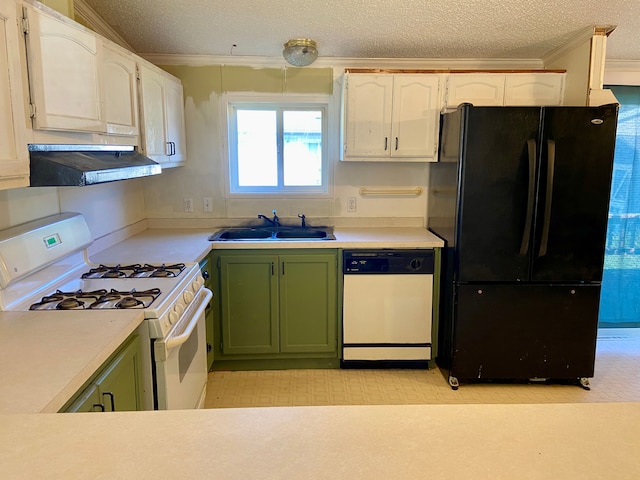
370 28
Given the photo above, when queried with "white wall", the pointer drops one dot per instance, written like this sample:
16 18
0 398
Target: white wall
206 172
108 207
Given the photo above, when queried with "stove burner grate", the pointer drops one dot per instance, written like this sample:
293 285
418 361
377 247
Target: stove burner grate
97 299
135 271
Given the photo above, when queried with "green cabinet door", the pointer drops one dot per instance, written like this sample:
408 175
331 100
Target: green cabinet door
249 304
119 383
308 313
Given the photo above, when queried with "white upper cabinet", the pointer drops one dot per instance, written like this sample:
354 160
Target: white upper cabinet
484 89
162 116
511 89
14 158
64 63
119 80
390 117
175 120
534 89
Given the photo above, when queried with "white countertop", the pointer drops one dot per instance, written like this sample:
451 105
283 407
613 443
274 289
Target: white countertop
550 441
189 245
46 356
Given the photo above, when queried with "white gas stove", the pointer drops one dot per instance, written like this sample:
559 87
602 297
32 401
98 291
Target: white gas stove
44 266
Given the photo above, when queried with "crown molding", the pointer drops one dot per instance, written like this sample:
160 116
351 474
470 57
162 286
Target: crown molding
585 35
97 24
621 72
344 62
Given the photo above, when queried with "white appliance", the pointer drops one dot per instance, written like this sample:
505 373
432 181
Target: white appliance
387 307
44 266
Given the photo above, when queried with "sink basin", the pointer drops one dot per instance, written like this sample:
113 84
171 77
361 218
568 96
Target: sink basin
273 234
303 233
244 234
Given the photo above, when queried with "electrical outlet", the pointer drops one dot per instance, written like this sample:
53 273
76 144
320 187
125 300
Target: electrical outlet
188 204
207 204
352 206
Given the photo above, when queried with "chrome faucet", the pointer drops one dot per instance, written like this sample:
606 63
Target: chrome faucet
275 221
303 219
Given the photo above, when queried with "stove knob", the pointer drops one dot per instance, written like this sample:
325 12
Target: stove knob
178 309
188 296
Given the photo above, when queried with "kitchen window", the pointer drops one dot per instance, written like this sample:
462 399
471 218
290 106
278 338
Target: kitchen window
277 148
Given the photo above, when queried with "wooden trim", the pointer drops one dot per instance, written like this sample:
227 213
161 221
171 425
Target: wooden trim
447 71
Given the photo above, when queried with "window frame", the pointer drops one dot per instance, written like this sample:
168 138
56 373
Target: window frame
319 102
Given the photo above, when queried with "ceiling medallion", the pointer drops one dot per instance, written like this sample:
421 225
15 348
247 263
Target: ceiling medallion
300 52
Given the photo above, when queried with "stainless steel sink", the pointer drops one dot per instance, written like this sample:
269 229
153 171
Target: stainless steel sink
273 234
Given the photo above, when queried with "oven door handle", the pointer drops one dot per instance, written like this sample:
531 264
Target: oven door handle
178 340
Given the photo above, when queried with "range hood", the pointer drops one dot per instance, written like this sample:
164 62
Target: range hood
80 165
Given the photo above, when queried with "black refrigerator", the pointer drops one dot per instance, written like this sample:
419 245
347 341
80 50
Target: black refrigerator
521 195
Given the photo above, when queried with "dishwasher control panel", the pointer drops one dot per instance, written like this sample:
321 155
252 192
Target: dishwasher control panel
392 261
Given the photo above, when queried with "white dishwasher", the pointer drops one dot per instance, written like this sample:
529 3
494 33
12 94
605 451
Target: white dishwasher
387 308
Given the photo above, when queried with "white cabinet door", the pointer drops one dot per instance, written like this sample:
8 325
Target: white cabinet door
120 90
14 158
162 112
485 89
391 117
63 59
415 116
368 106
175 122
524 89
152 103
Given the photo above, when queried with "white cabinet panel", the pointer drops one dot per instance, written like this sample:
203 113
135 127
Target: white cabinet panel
63 60
485 89
175 121
514 89
390 117
414 129
120 90
368 115
14 159
162 112
534 89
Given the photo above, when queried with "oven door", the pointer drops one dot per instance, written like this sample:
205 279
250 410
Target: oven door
181 359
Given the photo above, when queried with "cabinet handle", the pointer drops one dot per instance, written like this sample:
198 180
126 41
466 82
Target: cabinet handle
173 148
272 269
99 405
386 141
113 401
396 143
283 268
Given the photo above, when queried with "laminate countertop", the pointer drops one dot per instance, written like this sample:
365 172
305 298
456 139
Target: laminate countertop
46 356
159 245
496 442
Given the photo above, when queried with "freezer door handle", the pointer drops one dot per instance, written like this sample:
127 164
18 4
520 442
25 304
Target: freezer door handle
551 156
526 234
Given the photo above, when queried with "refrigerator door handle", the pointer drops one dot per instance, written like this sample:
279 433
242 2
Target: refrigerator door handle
551 156
526 235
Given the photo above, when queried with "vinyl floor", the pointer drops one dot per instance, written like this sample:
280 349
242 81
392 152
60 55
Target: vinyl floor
616 379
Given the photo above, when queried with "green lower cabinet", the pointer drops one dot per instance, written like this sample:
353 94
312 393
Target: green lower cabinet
249 302
278 305
117 385
308 305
